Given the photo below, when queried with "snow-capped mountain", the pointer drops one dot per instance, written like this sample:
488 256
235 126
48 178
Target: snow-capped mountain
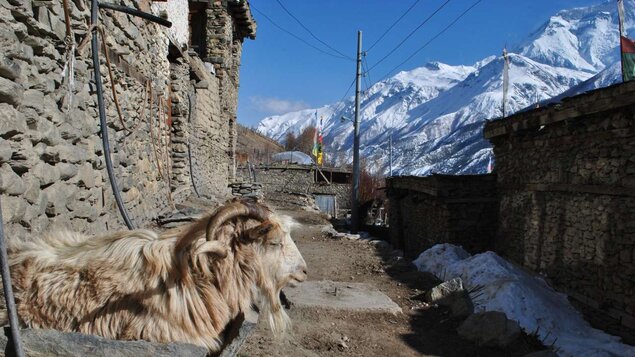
435 113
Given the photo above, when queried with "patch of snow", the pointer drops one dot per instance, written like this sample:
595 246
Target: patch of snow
523 297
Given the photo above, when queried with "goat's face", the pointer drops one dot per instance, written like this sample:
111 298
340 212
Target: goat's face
251 229
279 254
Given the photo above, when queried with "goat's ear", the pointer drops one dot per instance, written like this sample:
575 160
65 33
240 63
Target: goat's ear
215 248
259 232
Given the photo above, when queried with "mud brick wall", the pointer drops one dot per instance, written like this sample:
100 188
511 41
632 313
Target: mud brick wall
566 175
52 168
425 211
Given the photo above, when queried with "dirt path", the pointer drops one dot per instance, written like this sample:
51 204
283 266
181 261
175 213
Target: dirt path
419 330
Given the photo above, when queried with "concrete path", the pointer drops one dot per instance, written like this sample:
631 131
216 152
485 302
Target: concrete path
341 296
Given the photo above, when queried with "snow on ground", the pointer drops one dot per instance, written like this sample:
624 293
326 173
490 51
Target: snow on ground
523 297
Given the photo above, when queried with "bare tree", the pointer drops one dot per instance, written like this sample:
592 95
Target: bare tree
304 141
369 184
290 142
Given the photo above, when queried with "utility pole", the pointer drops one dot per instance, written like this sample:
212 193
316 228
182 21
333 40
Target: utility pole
390 152
355 190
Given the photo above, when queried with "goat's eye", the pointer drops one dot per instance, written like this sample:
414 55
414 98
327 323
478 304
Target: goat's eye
274 243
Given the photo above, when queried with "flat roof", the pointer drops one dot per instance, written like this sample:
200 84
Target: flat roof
588 103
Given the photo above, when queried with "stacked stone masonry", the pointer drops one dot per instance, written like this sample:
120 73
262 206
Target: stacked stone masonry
296 179
566 175
52 169
425 211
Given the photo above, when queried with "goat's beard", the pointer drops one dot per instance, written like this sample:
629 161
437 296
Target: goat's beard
271 306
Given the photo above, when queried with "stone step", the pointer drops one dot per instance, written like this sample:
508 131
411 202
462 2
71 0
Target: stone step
341 296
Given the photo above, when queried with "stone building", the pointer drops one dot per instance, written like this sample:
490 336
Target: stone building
425 211
566 177
176 89
328 183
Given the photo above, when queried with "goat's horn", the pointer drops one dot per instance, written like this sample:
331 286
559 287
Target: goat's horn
241 208
248 208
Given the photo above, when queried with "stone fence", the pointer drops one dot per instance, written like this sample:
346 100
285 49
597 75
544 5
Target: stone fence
301 179
424 211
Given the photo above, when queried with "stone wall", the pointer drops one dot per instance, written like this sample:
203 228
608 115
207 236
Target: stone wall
567 182
210 142
228 22
52 169
297 179
180 111
424 211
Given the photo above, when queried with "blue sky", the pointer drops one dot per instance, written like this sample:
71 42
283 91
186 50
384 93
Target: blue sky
280 74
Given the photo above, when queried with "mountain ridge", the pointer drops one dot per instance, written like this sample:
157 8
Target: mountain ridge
435 112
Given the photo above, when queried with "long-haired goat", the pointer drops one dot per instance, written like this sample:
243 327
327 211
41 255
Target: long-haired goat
171 287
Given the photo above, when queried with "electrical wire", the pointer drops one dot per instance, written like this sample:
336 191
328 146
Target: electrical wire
310 32
410 34
393 25
296 36
367 72
94 15
365 77
349 89
12 311
432 39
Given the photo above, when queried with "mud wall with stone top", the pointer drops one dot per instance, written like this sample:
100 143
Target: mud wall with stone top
566 175
52 169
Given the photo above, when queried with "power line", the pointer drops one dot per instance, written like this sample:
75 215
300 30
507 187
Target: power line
294 35
349 89
311 33
367 72
393 25
432 39
410 34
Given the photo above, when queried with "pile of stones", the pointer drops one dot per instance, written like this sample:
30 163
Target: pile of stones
250 189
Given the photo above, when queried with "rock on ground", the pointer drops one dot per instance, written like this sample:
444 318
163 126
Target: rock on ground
491 328
452 294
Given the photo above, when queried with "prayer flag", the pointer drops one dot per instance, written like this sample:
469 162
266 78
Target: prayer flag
314 151
627 47
320 155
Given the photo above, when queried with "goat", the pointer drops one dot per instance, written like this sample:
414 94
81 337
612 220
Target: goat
173 287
